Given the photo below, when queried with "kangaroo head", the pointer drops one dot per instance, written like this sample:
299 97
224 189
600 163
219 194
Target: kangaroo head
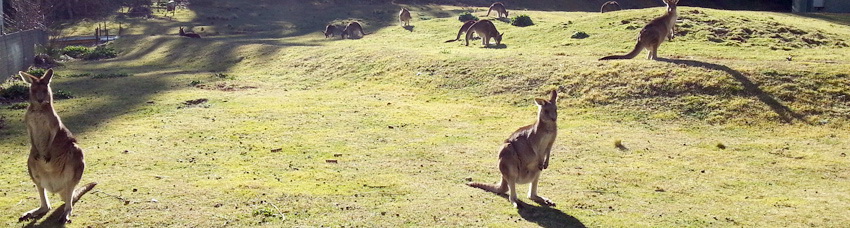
181 30
671 5
499 38
547 110
40 92
506 13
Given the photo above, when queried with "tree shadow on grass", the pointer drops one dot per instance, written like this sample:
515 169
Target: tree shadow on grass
786 114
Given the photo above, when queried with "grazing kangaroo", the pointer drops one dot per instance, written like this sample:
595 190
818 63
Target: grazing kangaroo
463 29
499 8
55 162
653 34
351 28
330 31
610 6
486 29
190 35
404 17
525 154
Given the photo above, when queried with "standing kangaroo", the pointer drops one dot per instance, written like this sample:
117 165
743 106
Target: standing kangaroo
486 29
610 6
351 28
499 8
653 34
404 17
55 162
525 154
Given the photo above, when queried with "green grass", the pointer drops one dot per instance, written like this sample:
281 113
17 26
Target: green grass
409 119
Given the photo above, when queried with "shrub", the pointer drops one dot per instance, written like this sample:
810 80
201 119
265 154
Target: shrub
75 51
579 35
101 52
522 21
16 90
465 16
110 75
62 94
38 72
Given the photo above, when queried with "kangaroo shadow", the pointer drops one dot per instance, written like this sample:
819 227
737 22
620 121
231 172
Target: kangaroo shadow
409 28
499 46
504 19
52 220
786 114
544 216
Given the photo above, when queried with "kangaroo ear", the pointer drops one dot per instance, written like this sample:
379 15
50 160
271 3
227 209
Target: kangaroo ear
27 77
47 75
540 101
554 97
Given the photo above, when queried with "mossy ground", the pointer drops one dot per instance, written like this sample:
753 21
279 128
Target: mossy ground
237 128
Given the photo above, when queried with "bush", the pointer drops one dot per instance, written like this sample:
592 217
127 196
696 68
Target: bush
522 21
101 52
16 90
75 51
465 16
38 72
62 94
110 75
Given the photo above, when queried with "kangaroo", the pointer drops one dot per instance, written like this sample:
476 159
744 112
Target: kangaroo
525 154
463 29
610 6
55 162
486 29
190 35
653 34
351 28
404 17
499 8
330 30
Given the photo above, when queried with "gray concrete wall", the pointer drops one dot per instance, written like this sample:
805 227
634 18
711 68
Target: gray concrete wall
18 49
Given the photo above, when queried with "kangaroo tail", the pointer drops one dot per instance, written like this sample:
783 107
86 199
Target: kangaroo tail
79 192
498 189
488 11
364 33
449 41
635 52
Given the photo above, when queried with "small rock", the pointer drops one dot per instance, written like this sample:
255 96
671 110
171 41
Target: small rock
277 149
468 179
331 161
154 201
337 155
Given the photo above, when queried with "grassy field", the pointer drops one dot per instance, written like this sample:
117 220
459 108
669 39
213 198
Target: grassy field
264 122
